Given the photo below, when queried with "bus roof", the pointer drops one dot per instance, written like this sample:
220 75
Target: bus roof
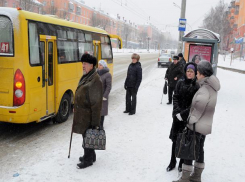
46 19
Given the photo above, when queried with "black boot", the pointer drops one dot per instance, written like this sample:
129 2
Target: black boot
94 157
82 158
87 159
84 164
171 166
180 165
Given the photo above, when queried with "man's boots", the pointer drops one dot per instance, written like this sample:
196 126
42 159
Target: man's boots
87 159
186 171
196 175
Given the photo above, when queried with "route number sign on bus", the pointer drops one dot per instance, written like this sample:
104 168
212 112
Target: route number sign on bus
4 47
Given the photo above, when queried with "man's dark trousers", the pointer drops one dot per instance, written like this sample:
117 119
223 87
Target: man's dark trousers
170 94
131 100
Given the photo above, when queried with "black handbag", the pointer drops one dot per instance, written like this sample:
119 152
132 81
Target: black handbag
165 88
188 145
95 139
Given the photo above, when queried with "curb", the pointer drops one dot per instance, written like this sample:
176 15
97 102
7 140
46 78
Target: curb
232 69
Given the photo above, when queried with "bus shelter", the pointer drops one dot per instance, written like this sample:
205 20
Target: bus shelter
202 44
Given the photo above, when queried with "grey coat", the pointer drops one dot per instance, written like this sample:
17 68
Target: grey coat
203 105
106 83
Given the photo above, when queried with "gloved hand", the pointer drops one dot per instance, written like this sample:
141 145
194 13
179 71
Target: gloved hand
104 98
179 117
125 87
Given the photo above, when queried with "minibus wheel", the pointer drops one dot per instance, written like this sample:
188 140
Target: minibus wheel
64 109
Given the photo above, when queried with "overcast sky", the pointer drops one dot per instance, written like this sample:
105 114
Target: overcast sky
163 13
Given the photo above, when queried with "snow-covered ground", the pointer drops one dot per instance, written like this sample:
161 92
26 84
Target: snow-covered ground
138 147
225 61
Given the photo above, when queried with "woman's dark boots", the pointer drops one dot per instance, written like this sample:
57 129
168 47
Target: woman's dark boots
181 161
198 169
171 166
87 159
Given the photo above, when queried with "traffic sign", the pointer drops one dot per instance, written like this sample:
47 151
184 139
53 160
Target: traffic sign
182 24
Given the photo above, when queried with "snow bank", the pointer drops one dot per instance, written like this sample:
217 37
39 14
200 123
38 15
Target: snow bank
225 61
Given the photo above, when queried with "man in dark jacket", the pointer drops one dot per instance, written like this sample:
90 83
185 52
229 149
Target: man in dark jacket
132 83
182 59
174 72
87 105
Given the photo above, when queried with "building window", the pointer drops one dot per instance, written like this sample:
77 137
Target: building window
44 3
65 5
71 7
78 11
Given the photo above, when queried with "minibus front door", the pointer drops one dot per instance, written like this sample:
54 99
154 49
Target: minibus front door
47 45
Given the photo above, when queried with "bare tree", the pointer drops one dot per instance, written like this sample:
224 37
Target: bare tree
216 21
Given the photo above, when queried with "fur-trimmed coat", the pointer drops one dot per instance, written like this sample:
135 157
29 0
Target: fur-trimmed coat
88 103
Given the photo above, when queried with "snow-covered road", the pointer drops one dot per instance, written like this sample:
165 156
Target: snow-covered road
138 148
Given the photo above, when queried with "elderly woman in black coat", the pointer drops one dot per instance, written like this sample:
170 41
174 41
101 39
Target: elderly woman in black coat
105 76
184 92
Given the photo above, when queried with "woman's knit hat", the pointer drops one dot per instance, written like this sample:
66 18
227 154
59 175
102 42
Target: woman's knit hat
103 63
191 66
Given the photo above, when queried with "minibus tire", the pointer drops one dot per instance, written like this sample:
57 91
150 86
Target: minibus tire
64 109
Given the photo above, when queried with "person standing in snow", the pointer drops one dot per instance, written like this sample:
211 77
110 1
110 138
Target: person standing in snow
174 72
184 92
132 83
87 105
105 76
201 113
182 59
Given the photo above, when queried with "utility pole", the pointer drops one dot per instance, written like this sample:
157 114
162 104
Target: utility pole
181 33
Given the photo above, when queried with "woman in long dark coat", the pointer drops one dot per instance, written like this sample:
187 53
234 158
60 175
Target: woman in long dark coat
184 92
105 76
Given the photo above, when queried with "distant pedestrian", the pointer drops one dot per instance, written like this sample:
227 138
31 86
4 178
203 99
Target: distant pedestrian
182 59
105 76
201 113
174 72
183 94
87 105
132 83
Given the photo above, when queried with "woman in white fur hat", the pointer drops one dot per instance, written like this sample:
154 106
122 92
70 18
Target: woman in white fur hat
105 76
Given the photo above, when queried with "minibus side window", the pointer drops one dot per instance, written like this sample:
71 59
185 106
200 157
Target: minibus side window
33 45
106 52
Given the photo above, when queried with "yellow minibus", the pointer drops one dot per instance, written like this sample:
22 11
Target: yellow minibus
40 64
